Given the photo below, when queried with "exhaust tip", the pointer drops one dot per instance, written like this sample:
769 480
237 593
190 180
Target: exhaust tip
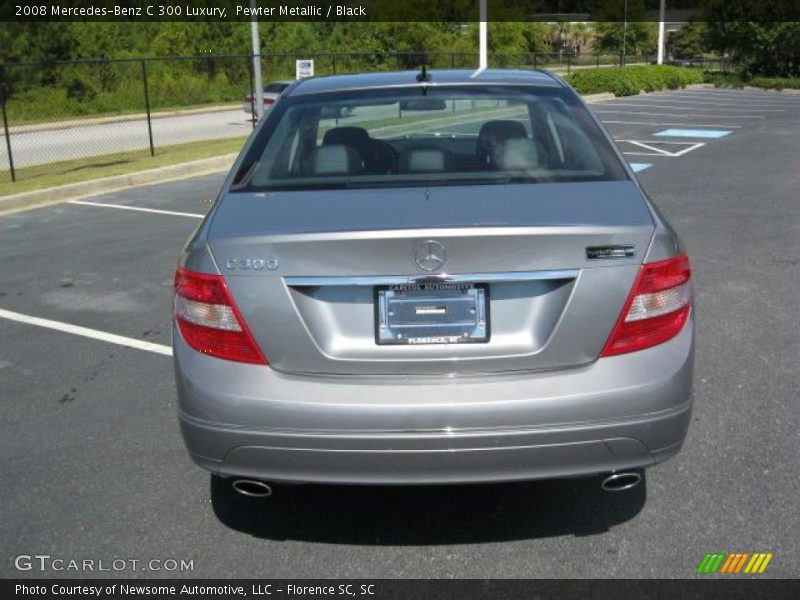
252 488
619 482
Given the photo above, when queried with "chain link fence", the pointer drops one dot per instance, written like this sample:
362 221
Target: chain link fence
75 114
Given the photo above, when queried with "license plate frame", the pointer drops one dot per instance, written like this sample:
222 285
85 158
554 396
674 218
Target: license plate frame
432 313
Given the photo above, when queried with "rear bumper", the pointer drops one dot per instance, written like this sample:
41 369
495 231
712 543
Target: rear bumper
483 457
620 412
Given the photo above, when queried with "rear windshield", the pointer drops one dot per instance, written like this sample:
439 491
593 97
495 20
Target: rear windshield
444 136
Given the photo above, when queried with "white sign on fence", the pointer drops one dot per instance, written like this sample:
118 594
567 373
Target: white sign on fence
304 68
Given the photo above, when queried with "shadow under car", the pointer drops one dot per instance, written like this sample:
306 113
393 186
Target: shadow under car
428 515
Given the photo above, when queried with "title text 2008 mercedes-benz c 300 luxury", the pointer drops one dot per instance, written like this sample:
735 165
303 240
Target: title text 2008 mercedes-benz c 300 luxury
458 281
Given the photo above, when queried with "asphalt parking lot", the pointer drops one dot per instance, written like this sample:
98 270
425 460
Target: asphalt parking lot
96 469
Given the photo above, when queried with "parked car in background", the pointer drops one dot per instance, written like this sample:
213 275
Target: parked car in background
464 282
695 61
271 93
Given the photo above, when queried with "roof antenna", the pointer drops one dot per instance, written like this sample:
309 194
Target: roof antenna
423 75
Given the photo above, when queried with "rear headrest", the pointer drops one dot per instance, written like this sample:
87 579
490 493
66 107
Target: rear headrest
516 154
349 136
494 132
424 160
335 159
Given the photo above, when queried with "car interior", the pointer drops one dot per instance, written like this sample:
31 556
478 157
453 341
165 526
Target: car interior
500 145
543 143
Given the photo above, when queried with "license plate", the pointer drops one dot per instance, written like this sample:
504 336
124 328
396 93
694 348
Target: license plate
432 313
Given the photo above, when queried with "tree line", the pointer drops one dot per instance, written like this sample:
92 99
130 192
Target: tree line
53 90
755 48
70 41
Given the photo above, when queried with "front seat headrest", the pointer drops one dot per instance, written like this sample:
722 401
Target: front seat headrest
348 136
336 159
492 133
424 160
517 154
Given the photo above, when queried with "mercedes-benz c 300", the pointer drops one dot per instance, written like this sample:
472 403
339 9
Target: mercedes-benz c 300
432 277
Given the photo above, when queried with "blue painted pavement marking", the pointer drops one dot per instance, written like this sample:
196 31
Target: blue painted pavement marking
640 166
694 133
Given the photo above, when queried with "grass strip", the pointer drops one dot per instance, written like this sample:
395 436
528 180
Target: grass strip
95 167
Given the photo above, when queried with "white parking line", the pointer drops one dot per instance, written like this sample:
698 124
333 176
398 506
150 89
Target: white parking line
744 102
743 96
137 208
683 116
715 108
770 94
656 151
86 332
701 102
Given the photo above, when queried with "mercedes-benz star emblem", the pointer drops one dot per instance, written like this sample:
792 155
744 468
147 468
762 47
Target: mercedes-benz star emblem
430 255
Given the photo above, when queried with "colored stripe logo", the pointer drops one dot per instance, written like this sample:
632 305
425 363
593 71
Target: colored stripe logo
734 563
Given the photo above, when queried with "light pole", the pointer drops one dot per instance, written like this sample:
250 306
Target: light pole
482 54
258 91
624 34
660 59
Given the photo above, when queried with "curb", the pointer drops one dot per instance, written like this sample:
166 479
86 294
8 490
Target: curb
785 91
589 98
749 88
55 125
73 191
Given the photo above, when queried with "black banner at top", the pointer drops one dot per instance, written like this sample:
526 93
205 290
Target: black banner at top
397 10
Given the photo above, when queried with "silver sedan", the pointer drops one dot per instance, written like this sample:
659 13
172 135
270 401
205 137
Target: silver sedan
427 278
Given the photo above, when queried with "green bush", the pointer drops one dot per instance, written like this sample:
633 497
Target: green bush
776 83
629 81
723 80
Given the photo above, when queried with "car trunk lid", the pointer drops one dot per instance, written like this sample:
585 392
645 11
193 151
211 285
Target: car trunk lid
311 272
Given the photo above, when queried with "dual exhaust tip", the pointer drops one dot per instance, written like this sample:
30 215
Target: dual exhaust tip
619 482
252 488
616 482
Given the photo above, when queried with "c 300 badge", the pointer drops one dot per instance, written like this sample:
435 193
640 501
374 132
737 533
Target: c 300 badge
251 264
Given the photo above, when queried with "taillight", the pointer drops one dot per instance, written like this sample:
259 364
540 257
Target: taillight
209 320
656 309
268 101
